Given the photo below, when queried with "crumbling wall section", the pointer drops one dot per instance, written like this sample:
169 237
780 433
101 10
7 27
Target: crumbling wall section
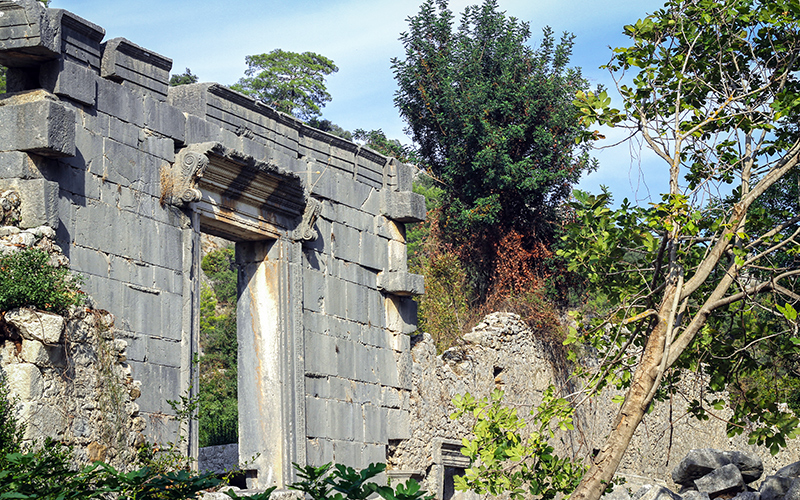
68 375
503 353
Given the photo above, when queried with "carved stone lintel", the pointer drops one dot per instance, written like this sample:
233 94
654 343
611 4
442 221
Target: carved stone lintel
179 181
310 214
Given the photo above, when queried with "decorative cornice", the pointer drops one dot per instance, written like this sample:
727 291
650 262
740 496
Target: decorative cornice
179 181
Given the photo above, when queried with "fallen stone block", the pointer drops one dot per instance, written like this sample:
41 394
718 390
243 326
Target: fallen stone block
695 495
651 492
749 465
725 480
697 464
618 493
775 487
791 470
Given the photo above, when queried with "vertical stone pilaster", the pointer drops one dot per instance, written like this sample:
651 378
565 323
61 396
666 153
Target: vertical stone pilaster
190 320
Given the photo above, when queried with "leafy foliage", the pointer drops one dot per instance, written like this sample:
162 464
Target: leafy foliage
377 141
10 427
503 461
492 117
219 408
321 482
715 94
330 127
183 78
495 127
28 279
291 82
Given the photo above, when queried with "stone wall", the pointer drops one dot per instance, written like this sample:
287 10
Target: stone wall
129 172
502 352
68 375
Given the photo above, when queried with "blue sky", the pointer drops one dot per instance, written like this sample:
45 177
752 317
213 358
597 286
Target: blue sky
361 36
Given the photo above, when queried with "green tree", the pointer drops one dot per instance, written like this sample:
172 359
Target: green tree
715 95
183 78
494 125
330 127
290 82
377 141
219 415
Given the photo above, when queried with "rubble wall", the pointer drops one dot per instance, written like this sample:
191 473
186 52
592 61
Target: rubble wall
503 353
68 375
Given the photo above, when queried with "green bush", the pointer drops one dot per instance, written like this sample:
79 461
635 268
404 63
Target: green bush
27 279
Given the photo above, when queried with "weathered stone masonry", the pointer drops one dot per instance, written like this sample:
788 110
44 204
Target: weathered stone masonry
129 172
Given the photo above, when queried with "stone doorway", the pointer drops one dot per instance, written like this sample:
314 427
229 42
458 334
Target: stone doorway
237 199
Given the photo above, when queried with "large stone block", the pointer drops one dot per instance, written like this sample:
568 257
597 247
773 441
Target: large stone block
35 123
403 206
24 381
320 354
775 487
401 283
651 492
36 325
725 480
68 79
115 100
319 451
135 67
317 417
27 38
347 453
18 165
398 425
164 119
375 420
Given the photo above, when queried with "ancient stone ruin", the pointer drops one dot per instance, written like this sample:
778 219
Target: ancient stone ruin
129 172
117 175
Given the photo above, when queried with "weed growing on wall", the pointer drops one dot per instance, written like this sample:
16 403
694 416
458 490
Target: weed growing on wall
27 279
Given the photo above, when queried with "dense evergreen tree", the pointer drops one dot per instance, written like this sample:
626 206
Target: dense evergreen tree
290 82
495 126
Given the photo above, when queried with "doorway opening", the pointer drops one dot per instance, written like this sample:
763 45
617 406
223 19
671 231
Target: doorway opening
217 356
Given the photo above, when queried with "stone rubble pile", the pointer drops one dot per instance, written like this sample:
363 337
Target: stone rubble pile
706 474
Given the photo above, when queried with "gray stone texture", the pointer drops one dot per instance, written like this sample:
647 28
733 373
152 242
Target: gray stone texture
135 67
655 492
86 141
724 480
39 201
775 487
218 459
41 125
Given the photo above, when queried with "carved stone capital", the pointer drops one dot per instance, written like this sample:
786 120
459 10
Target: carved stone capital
179 181
306 230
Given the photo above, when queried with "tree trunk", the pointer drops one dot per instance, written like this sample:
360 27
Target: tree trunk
605 464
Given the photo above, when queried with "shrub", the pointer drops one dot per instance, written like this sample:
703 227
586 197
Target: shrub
28 279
